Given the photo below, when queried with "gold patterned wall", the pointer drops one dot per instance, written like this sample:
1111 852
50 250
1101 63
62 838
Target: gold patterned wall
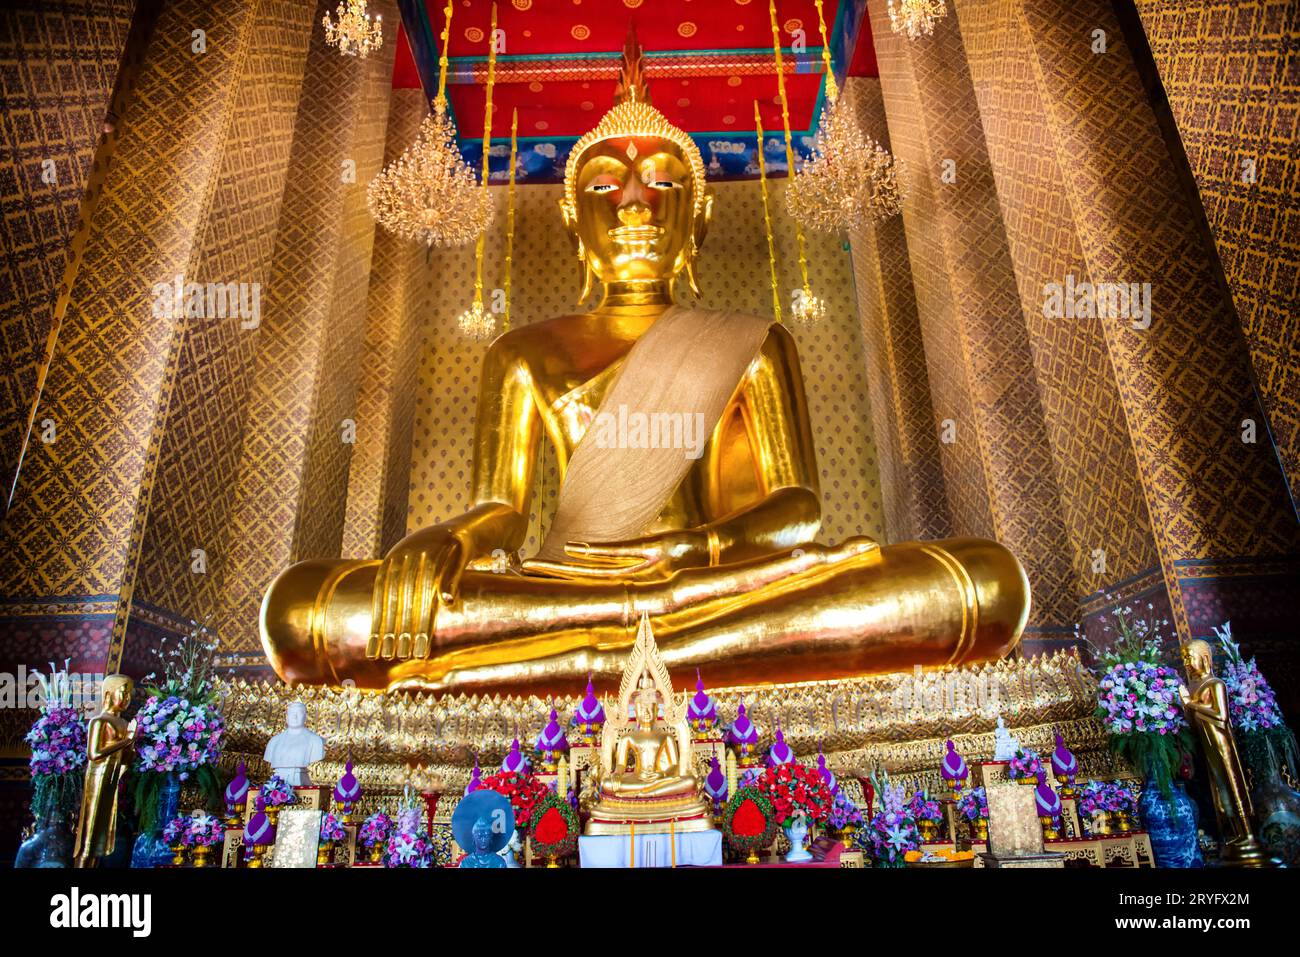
201 441
1185 381
290 493
1229 70
82 501
58 63
385 410
987 327
732 273
1102 508
906 434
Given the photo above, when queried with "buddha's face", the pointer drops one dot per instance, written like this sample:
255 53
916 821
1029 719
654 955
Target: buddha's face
482 834
635 209
1199 658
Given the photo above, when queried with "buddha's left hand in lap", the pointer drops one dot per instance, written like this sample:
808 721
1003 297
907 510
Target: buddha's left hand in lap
651 558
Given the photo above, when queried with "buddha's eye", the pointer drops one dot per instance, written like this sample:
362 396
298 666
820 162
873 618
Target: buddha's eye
602 187
664 184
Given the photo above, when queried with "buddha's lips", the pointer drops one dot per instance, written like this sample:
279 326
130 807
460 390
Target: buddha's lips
635 234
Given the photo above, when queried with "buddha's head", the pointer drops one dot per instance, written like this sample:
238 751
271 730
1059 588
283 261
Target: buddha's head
117 693
647 702
634 194
482 834
1199 658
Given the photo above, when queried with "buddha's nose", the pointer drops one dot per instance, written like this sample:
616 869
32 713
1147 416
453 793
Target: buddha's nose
634 214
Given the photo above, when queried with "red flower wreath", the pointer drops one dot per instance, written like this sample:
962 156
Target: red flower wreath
524 792
748 821
555 833
793 788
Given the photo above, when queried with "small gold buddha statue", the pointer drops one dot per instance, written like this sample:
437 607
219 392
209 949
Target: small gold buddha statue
1206 706
645 780
108 749
689 492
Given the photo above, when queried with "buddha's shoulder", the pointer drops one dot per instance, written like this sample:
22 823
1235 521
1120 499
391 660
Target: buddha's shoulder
523 339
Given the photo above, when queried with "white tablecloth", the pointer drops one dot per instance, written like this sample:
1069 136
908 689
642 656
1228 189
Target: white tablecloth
694 849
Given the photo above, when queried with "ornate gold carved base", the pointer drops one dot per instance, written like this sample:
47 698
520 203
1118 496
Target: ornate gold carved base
896 722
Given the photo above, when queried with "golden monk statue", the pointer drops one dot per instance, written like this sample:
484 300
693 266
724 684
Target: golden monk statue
645 778
108 747
689 492
1206 705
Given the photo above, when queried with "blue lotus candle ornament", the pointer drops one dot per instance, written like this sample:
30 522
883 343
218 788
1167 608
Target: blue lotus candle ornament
779 752
954 768
1064 766
236 796
743 737
347 792
589 716
515 762
1048 803
715 785
551 745
702 711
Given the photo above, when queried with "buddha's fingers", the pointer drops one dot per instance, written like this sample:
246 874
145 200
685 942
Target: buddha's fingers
392 588
405 595
378 609
421 624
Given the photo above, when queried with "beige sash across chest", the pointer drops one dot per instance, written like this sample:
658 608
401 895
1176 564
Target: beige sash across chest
690 361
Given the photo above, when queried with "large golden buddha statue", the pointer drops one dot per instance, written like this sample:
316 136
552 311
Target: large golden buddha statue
689 492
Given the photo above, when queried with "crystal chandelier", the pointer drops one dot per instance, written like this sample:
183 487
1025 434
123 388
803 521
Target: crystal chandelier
851 180
807 308
355 34
429 194
915 18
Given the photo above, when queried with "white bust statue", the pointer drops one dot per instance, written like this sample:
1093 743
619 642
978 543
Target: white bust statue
293 749
1005 744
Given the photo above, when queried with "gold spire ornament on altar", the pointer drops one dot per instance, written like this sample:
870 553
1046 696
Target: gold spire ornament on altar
355 34
429 194
807 308
477 322
851 180
915 18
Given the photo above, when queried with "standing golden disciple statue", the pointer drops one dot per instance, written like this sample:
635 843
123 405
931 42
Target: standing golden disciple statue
1206 705
689 492
108 747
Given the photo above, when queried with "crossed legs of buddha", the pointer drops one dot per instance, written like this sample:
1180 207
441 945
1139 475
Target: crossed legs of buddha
817 612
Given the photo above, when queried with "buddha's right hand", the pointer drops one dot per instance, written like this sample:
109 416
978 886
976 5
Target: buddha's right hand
420 570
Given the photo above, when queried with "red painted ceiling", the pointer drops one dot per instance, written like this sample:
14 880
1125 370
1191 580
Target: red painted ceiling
558 72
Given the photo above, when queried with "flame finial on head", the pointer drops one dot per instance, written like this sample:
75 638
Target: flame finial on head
632 86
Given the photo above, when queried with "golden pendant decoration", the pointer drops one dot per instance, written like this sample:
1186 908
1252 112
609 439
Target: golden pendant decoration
477 322
510 216
429 194
767 216
807 308
355 34
916 18
851 181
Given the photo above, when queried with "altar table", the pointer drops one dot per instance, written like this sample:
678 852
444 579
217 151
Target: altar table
694 849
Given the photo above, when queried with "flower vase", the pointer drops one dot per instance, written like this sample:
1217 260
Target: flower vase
150 849
1123 823
258 856
178 854
1277 811
796 831
928 830
1171 823
376 854
201 854
50 844
272 812
323 854
982 830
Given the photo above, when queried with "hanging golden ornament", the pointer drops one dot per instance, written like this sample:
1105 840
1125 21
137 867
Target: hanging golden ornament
916 18
429 194
806 308
510 216
477 322
851 180
767 216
